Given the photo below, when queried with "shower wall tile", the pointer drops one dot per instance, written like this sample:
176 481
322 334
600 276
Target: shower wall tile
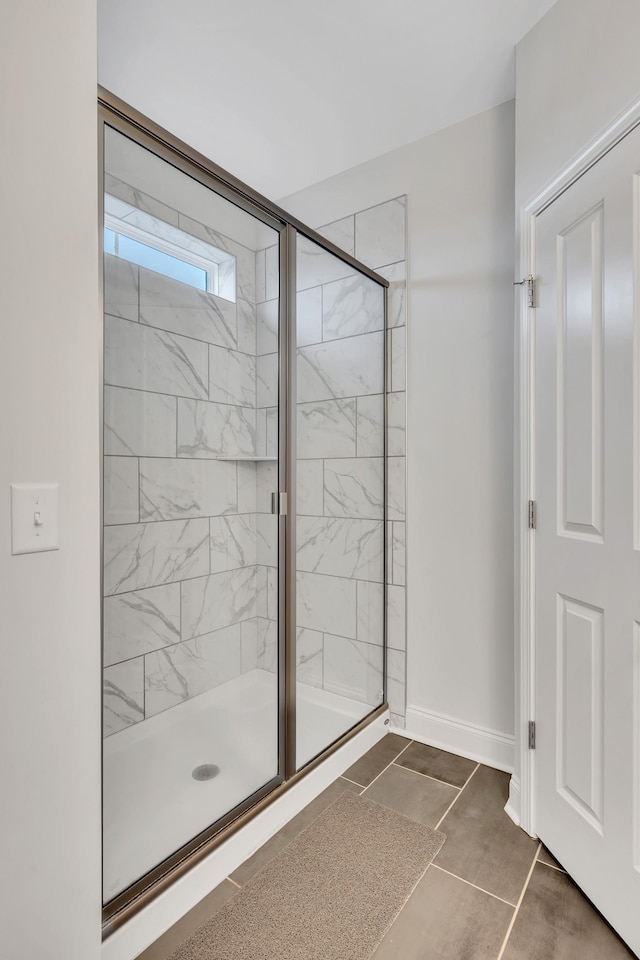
398 359
396 274
340 232
351 307
267 327
247 326
396 495
267 645
352 669
209 430
380 233
267 539
131 195
272 593
213 602
396 681
233 542
389 532
310 488
341 368
262 600
396 617
399 553
341 548
123 695
141 621
260 279
266 484
179 489
232 377
271 273
326 428
316 266
370 627
148 554
309 657
180 308
326 603
261 432
247 484
249 645
370 420
396 424
120 288
309 316
139 424
146 359
178 673
354 488
271 422
267 385
121 490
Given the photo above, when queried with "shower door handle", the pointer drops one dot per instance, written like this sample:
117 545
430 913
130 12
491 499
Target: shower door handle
279 504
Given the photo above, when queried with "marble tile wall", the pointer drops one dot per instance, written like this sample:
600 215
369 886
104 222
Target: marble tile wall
190 542
339 421
188 560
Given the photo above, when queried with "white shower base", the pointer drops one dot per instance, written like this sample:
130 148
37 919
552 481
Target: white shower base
152 805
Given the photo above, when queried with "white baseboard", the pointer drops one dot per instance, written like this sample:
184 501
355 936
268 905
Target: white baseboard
466 739
512 808
145 927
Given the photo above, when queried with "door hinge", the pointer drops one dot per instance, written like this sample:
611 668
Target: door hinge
532 734
533 514
279 504
531 289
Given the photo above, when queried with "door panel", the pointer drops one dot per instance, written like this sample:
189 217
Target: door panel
587 603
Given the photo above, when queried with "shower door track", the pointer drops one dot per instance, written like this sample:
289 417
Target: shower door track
117 114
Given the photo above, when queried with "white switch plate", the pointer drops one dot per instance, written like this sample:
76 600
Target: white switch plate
31 502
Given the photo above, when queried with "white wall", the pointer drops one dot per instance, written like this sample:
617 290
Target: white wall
459 184
576 71
49 417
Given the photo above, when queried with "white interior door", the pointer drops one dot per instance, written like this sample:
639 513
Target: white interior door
588 535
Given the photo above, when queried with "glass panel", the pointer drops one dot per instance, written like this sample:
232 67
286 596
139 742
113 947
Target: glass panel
340 498
190 544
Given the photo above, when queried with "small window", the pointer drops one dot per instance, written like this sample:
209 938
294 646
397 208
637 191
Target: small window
134 235
144 255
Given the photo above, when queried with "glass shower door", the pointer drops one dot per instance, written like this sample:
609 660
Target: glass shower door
340 536
190 443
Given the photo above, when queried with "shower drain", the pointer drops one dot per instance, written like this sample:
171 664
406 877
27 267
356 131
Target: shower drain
205 771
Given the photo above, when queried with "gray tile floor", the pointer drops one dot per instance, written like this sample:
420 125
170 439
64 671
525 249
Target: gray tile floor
492 893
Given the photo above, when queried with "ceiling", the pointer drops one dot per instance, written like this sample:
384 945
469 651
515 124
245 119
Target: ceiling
285 93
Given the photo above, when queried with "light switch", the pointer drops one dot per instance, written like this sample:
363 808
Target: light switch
34 517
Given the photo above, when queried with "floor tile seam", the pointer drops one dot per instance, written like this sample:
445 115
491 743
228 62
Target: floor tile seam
234 882
519 904
456 798
386 768
399 913
427 775
552 867
354 782
474 885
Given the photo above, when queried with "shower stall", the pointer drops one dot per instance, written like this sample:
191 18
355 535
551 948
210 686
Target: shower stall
244 490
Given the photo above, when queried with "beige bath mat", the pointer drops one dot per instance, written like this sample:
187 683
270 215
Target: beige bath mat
330 895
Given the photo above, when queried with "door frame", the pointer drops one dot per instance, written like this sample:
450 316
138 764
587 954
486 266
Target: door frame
521 805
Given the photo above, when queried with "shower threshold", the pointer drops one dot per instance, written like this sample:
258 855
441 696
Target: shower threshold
152 802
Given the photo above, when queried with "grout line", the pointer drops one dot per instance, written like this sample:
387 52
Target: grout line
519 904
234 883
551 867
387 766
474 885
455 799
354 782
426 775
